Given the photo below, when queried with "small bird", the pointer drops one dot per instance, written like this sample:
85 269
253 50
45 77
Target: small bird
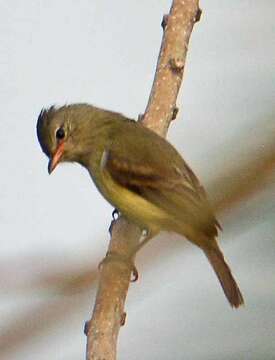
139 173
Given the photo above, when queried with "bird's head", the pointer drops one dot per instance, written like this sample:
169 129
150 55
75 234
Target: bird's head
74 132
53 132
62 132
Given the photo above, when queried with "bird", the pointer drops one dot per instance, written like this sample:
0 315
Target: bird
138 172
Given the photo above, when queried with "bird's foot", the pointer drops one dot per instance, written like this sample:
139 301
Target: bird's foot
113 256
146 236
115 216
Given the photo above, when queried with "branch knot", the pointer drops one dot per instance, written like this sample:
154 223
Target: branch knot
164 21
177 63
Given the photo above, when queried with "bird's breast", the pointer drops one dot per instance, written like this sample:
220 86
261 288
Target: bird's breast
131 205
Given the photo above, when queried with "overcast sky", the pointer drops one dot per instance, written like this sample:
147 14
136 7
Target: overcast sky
104 53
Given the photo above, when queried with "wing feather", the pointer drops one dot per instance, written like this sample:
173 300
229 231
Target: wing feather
172 188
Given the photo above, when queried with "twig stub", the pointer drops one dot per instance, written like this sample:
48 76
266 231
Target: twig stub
164 21
198 15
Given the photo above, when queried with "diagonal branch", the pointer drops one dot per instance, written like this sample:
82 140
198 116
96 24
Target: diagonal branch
161 107
108 315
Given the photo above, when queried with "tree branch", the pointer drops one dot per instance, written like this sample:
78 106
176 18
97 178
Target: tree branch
177 26
108 315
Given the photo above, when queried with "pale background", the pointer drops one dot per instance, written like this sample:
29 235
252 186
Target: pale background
103 52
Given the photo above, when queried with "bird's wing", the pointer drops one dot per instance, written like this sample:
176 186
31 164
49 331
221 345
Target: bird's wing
162 178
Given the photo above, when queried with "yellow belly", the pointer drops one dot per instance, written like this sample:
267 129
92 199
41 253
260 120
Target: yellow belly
131 205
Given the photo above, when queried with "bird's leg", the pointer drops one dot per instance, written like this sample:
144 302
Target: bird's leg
114 256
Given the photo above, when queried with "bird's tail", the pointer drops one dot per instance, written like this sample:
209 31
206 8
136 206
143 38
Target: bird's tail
228 283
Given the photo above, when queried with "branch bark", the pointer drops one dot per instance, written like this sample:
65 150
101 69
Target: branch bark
108 315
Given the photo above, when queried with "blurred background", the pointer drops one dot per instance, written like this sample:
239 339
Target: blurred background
54 230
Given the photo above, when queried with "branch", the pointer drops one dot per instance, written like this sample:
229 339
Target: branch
108 315
161 107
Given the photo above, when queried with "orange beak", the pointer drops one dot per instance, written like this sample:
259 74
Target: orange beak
56 157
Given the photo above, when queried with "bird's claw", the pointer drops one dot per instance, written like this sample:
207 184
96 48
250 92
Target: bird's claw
145 233
112 256
115 214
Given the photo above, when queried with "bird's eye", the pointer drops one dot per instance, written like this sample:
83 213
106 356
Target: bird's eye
60 134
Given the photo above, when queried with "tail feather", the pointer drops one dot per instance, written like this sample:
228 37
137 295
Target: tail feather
228 283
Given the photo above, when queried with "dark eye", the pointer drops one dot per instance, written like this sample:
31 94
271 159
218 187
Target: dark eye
60 133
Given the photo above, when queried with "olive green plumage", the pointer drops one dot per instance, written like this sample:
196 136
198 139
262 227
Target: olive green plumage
139 173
